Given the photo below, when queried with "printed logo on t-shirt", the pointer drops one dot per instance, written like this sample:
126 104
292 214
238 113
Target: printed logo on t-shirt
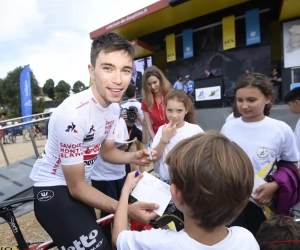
90 135
90 155
71 128
262 152
108 125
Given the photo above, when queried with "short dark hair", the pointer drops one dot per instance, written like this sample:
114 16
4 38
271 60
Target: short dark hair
293 95
276 229
130 92
261 82
108 43
179 77
215 177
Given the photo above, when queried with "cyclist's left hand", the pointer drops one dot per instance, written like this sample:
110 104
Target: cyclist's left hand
142 211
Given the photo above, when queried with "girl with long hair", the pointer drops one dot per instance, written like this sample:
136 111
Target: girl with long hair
180 114
155 88
265 141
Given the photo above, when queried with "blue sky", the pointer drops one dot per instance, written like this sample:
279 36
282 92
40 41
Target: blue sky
53 36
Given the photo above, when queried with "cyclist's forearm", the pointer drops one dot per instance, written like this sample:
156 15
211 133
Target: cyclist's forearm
93 197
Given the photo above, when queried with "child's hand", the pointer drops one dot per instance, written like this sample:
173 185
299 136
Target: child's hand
131 181
168 131
265 192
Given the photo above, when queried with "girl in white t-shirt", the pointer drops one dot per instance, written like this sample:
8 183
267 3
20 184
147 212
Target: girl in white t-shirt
181 116
265 141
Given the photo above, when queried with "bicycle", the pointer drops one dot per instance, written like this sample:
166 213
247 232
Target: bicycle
27 137
7 213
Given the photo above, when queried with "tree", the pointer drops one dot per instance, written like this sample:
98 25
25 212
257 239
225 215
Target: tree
48 89
10 90
1 87
78 87
38 106
62 90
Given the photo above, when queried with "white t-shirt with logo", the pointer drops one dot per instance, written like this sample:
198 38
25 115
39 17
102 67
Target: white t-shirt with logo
184 132
104 171
263 141
237 238
77 128
297 137
138 105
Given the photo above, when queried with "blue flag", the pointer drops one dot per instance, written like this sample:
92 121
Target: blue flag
252 26
188 50
25 93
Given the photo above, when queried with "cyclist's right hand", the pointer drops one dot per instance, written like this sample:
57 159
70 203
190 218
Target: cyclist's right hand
142 211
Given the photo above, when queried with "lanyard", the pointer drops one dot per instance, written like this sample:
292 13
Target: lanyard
161 109
129 133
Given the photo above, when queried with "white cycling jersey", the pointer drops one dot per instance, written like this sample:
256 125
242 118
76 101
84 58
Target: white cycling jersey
76 130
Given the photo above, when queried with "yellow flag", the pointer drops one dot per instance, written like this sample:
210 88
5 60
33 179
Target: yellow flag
171 48
228 25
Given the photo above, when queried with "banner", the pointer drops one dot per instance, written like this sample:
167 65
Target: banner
228 25
25 93
252 26
188 50
171 49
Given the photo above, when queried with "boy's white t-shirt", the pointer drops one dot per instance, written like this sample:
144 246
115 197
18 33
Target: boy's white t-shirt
297 137
184 132
104 171
237 238
264 141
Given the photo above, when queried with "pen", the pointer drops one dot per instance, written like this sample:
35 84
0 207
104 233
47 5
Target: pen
150 156
136 174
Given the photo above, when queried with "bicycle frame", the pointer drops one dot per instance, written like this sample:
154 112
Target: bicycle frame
6 212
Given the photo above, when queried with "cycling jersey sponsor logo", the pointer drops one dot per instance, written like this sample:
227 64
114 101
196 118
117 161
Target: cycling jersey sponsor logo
71 128
90 162
108 125
45 195
85 242
90 155
89 150
56 165
70 150
90 135
82 104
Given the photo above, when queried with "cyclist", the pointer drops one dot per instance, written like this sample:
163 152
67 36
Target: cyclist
65 203
36 128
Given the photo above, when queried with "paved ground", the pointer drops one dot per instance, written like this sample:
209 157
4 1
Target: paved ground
20 150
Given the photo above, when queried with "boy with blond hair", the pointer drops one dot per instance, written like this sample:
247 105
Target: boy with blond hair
211 181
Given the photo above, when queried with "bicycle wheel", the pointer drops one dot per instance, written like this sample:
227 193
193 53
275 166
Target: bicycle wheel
27 136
